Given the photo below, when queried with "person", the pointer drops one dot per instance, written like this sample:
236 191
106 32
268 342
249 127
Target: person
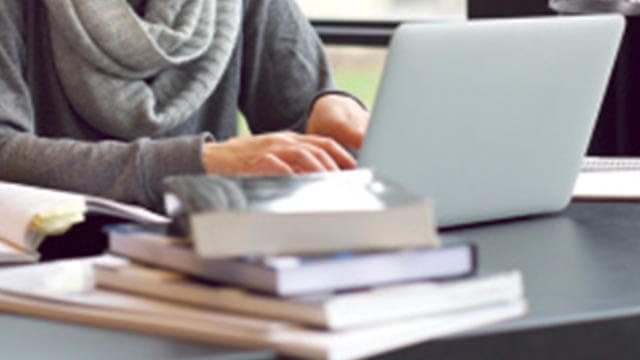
109 97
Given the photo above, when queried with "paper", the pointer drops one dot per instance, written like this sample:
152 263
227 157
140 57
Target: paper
10 254
608 185
29 214
27 209
133 213
73 282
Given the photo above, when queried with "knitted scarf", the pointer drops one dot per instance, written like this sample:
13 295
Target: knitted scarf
131 75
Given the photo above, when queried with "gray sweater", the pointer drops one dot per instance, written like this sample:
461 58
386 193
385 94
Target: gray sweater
278 66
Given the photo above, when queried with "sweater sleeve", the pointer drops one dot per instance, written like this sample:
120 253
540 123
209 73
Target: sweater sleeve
284 66
128 172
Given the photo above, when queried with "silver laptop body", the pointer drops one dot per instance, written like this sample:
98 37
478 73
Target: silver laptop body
491 118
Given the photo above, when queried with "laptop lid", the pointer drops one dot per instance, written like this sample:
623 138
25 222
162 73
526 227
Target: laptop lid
491 118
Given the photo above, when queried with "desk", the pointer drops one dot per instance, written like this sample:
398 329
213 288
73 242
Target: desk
582 277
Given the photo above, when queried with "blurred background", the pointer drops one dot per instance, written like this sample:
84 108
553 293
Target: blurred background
357 69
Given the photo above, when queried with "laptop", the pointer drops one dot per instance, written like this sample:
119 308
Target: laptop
491 119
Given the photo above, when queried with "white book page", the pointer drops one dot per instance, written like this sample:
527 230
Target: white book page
72 282
10 254
19 204
130 212
608 185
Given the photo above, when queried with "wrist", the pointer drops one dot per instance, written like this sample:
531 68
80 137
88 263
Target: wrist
338 93
214 158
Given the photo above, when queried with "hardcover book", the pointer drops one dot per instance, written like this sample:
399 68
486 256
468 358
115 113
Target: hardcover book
320 212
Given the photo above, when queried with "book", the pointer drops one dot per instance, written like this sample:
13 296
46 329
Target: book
29 214
65 291
332 311
292 275
320 212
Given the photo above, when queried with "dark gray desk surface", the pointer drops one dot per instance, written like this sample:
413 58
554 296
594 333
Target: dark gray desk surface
582 276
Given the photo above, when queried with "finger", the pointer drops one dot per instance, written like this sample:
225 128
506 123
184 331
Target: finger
299 159
270 164
337 152
327 161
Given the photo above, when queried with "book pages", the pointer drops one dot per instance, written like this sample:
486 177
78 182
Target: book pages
133 213
10 254
44 212
29 214
345 310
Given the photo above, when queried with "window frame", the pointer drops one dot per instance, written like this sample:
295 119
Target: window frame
345 32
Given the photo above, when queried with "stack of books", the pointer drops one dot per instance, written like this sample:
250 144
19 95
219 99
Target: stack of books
322 266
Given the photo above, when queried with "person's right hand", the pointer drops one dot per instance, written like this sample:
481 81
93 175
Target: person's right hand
274 154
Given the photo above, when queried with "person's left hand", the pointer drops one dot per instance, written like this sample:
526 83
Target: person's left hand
340 118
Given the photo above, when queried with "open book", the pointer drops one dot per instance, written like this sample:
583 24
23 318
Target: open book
29 214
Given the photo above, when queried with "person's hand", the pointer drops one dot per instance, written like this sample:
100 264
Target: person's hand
275 153
339 117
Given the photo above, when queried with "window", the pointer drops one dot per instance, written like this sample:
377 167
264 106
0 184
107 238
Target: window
357 68
394 10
